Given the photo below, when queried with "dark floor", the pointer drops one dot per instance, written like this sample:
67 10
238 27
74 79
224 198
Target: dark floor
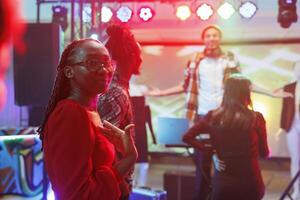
275 172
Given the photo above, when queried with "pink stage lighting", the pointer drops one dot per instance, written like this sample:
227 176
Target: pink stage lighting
146 13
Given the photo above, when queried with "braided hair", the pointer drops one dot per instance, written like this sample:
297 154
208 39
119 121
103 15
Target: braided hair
122 45
61 88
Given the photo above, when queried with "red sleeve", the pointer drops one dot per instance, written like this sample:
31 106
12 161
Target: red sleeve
70 144
201 126
262 136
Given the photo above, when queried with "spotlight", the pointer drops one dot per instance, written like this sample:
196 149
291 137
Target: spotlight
247 9
106 14
183 12
204 11
59 16
94 34
86 14
287 13
226 10
124 14
146 13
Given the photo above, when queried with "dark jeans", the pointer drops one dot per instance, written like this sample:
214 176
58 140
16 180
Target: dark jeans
124 198
203 161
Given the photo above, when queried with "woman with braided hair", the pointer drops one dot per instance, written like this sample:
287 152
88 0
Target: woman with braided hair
79 152
115 106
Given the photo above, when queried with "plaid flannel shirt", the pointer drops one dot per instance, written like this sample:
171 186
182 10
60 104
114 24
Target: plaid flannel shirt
115 107
192 80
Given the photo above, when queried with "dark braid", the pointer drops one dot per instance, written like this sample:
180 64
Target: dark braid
61 89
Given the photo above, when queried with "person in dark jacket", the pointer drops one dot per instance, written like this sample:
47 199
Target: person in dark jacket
238 137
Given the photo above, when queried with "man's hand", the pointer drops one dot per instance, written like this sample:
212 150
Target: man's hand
279 93
122 140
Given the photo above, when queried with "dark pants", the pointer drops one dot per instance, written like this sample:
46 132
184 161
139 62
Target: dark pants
203 161
124 198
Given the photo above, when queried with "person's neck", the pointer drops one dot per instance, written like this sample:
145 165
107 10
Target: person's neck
213 52
123 75
122 78
90 102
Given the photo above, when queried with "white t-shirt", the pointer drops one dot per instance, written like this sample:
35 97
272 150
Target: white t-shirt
211 74
297 100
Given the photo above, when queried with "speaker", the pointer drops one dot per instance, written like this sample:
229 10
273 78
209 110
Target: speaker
179 185
35 70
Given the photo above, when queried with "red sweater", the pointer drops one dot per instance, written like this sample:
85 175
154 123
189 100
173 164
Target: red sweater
78 157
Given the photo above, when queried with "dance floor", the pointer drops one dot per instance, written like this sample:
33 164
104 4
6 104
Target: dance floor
275 172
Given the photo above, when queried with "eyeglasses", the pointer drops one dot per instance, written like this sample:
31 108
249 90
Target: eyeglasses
94 65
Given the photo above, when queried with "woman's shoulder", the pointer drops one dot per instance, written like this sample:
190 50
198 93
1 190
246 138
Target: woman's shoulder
258 115
259 118
69 107
214 113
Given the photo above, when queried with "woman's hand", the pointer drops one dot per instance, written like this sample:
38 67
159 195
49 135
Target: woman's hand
122 140
219 164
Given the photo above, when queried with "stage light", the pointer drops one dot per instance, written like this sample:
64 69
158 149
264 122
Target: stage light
93 33
204 11
59 16
124 14
287 13
94 36
87 14
226 10
106 14
145 13
183 12
247 9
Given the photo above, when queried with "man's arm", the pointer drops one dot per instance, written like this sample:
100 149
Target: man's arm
278 93
234 67
170 91
180 88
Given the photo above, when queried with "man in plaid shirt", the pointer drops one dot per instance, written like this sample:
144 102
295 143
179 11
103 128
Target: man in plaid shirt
203 85
115 106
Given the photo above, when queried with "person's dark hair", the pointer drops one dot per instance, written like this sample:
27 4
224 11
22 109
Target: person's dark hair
122 46
236 110
61 88
210 27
